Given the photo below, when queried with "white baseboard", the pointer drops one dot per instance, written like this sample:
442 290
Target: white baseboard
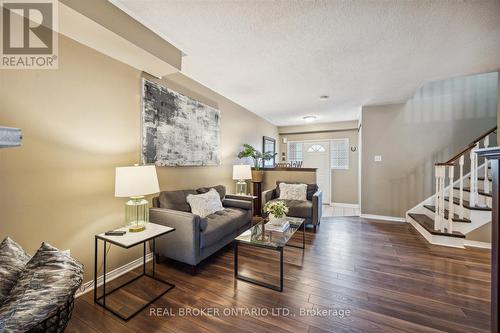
481 245
344 205
88 286
384 218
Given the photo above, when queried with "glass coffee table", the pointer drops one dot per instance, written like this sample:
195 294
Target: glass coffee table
260 237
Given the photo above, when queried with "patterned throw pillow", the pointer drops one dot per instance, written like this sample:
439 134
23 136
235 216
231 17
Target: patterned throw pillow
12 261
205 204
47 283
293 191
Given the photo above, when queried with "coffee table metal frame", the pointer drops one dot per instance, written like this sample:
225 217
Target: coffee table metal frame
279 249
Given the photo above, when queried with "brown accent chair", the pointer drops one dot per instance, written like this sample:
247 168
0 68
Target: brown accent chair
310 209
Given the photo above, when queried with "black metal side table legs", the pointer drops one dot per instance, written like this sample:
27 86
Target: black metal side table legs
101 300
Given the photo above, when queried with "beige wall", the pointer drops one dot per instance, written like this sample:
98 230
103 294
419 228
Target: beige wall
80 122
344 187
439 121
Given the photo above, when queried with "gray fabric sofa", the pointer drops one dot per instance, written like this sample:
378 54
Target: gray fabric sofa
310 210
197 238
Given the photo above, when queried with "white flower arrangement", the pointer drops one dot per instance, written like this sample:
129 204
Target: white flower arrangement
276 208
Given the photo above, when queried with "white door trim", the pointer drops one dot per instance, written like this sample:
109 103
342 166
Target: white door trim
327 143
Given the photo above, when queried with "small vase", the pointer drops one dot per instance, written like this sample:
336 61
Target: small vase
274 217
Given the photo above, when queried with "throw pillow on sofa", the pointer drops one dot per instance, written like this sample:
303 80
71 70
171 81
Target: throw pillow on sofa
293 191
12 262
311 189
221 189
205 204
47 283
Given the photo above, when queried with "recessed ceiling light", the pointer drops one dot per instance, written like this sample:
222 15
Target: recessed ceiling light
309 119
323 97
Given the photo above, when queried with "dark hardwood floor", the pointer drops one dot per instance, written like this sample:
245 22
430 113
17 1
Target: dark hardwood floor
382 276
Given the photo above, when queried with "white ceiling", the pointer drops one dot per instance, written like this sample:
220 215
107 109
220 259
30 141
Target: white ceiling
277 57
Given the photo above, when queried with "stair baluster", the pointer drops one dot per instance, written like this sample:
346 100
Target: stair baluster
437 200
451 202
461 209
443 195
486 183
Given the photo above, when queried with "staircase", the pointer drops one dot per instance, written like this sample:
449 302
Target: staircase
446 222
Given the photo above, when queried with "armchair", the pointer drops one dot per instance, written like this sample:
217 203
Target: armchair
310 209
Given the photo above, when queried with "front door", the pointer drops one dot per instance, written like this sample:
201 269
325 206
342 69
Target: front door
317 155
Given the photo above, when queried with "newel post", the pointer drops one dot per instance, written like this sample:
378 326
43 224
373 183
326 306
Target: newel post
493 154
474 195
439 220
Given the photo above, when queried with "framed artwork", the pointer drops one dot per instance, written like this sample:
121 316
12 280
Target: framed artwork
178 130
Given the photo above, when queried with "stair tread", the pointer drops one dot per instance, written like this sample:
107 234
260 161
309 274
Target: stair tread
467 189
482 178
467 205
455 219
428 224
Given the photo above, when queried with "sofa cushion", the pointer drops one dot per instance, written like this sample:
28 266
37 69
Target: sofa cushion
311 189
293 191
175 200
12 262
298 208
223 223
205 204
221 189
46 284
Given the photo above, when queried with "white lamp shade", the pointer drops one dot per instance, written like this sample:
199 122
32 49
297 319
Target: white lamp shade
136 181
242 172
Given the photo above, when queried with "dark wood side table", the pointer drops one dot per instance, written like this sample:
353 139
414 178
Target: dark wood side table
493 154
130 239
257 191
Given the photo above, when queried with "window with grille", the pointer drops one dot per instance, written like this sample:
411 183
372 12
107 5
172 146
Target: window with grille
339 154
294 151
316 149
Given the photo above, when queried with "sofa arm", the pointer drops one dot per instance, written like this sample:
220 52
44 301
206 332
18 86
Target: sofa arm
268 196
235 203
317 203
184 243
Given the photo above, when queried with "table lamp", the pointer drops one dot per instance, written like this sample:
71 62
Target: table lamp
135 182
241 173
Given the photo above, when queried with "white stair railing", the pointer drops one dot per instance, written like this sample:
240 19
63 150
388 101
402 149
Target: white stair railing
441 222
486 143
474 195
440 186
461 209
451 209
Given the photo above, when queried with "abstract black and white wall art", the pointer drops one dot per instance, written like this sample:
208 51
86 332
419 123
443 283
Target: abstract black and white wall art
178 130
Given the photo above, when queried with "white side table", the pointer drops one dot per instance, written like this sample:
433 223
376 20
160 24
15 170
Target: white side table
127 241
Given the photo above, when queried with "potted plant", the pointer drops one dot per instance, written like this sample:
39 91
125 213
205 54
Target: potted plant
258 157
276 209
